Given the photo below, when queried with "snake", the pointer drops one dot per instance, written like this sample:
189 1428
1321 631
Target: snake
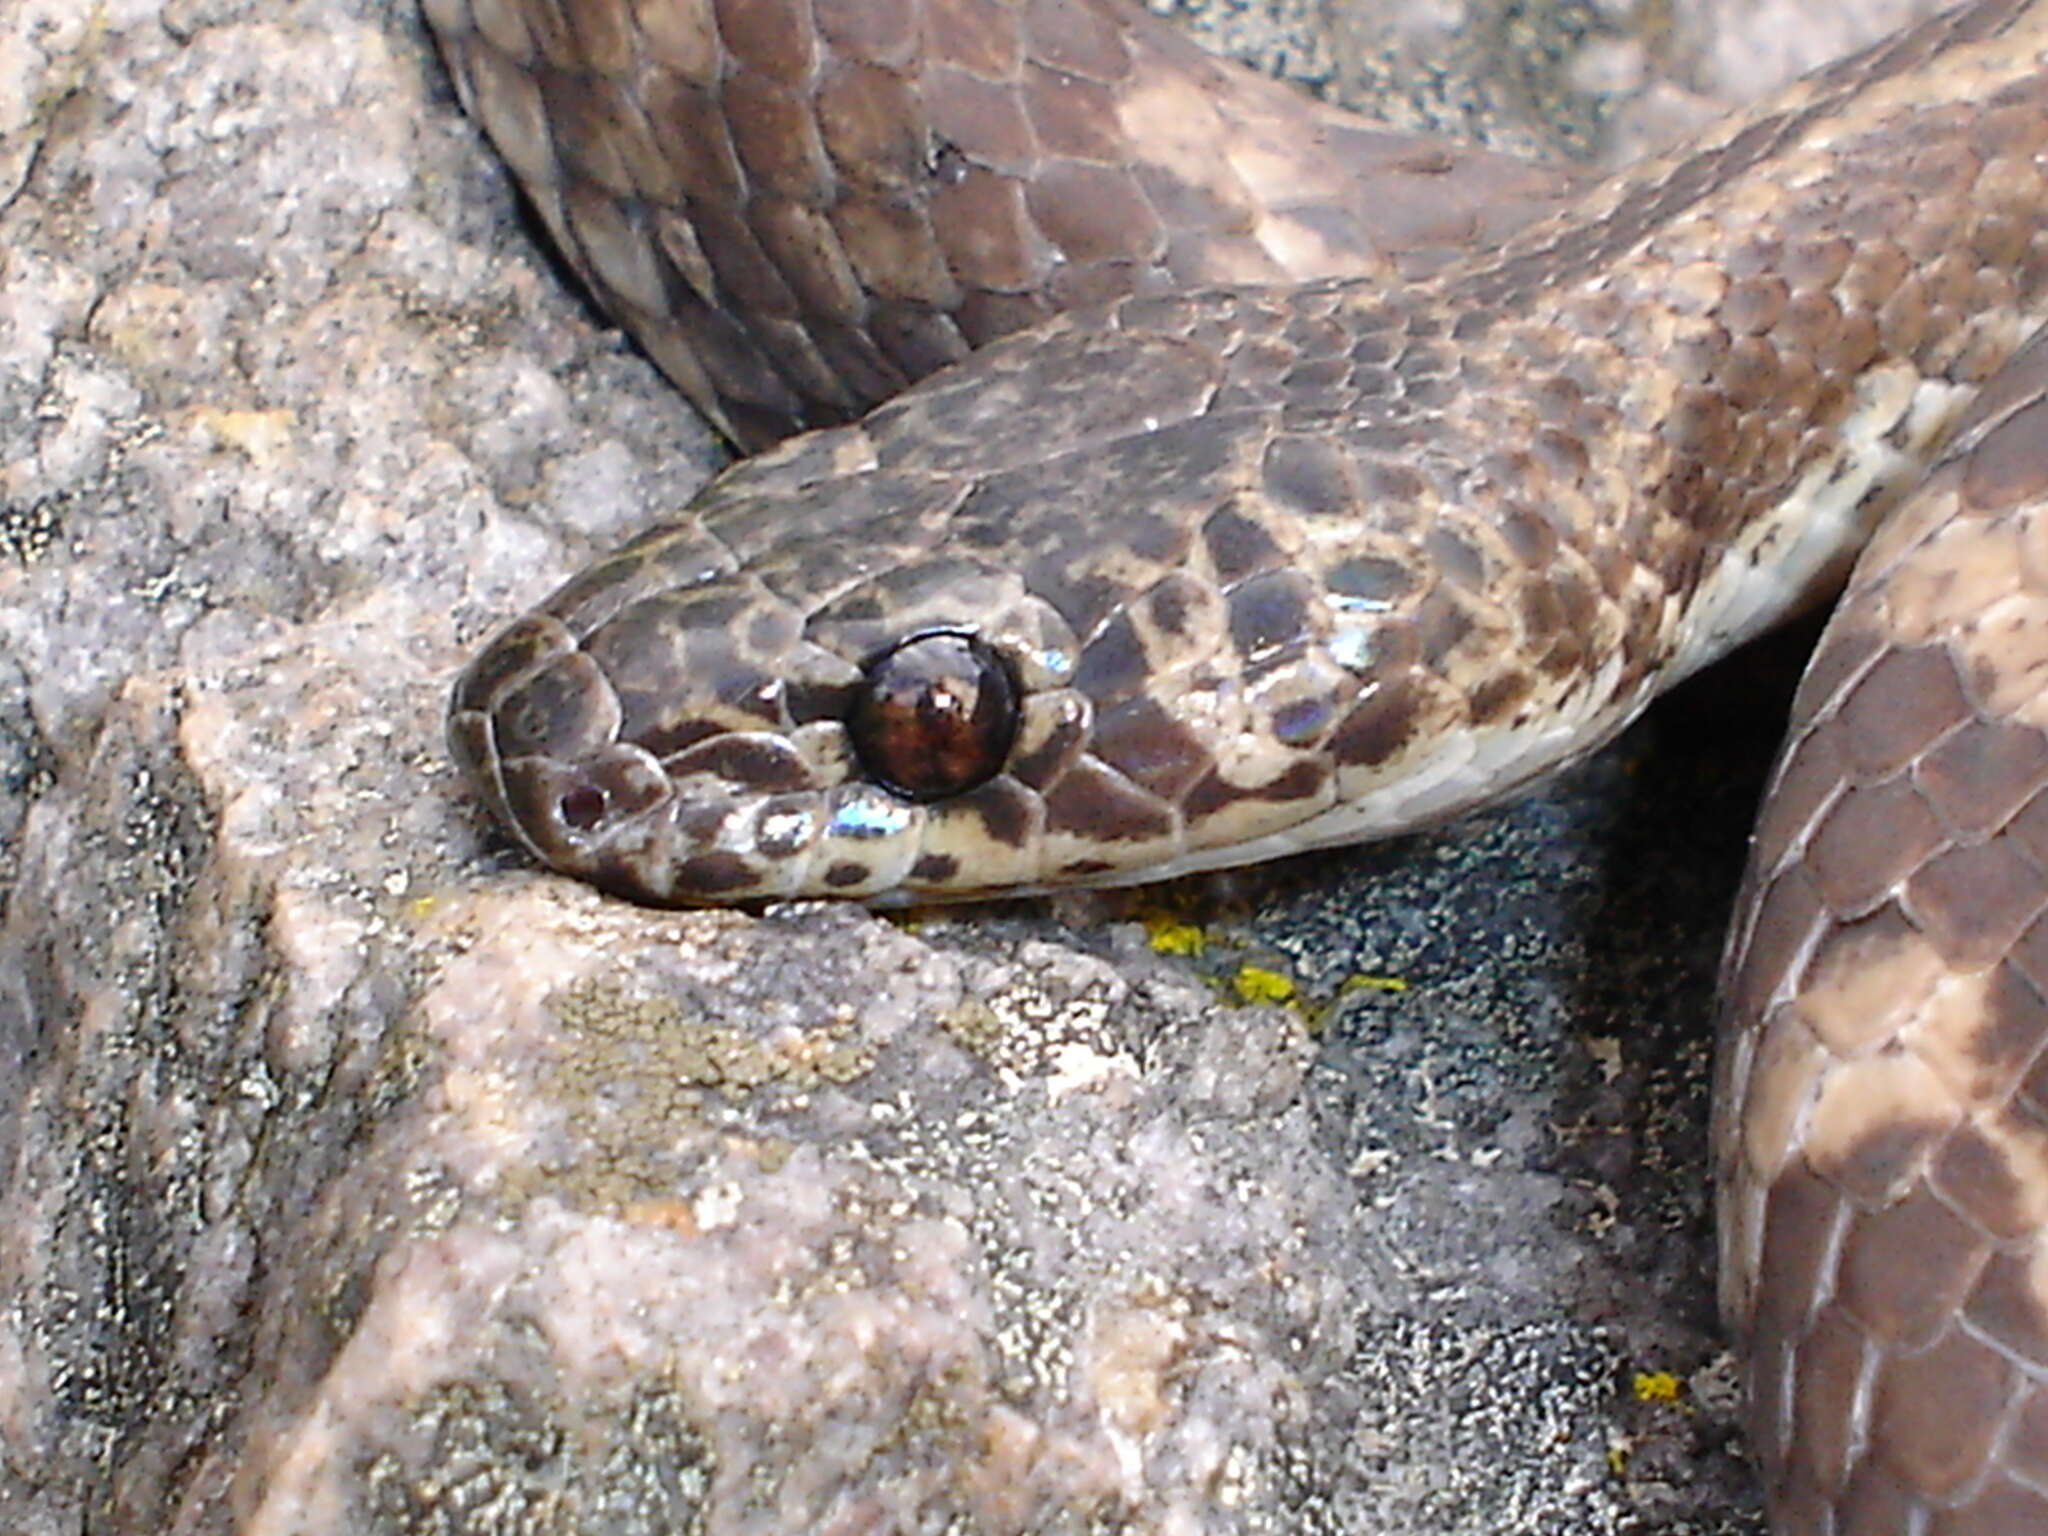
1155 471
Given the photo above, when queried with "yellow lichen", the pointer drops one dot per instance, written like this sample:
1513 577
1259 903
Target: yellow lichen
1170 936
1365 981
1659 1387
1257 984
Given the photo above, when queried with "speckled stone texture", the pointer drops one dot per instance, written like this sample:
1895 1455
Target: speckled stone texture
356 1178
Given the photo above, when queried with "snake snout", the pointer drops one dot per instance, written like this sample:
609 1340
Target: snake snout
668 748
712 743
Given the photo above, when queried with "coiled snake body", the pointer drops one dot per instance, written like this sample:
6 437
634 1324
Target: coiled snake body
1352 490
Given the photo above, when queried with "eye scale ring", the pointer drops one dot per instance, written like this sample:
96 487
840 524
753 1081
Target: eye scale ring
935 715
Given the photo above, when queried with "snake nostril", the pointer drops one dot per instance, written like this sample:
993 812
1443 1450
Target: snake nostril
936 715
583 807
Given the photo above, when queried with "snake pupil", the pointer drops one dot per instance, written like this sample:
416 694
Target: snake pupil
583 807
936 716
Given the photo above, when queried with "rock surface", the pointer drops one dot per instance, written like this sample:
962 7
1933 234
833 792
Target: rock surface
354 1177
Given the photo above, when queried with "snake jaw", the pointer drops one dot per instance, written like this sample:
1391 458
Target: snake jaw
707 743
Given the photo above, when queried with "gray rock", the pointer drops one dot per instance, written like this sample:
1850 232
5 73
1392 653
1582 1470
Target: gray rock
355 1177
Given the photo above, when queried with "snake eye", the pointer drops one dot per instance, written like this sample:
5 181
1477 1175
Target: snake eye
934 716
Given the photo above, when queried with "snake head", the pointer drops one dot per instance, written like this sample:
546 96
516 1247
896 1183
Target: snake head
971 646
831 717
679 731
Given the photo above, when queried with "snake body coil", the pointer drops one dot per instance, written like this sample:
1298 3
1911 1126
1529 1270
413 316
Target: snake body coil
1197 575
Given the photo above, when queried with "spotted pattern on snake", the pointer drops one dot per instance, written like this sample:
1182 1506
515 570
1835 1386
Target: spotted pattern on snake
1356 482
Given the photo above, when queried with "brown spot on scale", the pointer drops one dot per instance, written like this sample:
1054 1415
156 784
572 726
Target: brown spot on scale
783 826
1370 583
1172 605
1869 842
1215 794
669 738
1114 664
1094 213
1050 738
1994 1173
1980 1030
1875 1123
1302 781
1457 561
1830 1355
1900 707
1154 536
1070 116
1006 811
1093 803
1300 712
806 702
1787 917
2010 468
1866 981
2010 1303
1380 728
1801 1222
2008 659
524 644
714 874
1499 696
1311 476
762 763
1907 1267
865 114
1937 1412
845 873
1151 748
935 869
1442 625
1271 614
563 710
1811 776
1974 900
1982 774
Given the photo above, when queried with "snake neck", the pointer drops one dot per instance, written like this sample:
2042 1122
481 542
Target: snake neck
1716 376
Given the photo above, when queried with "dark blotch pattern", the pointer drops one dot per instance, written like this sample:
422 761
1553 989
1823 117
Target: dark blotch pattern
1095 803
1378 729
1238 544
1271 614
1151 748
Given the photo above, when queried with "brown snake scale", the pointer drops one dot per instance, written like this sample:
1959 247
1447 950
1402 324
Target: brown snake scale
1356 482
